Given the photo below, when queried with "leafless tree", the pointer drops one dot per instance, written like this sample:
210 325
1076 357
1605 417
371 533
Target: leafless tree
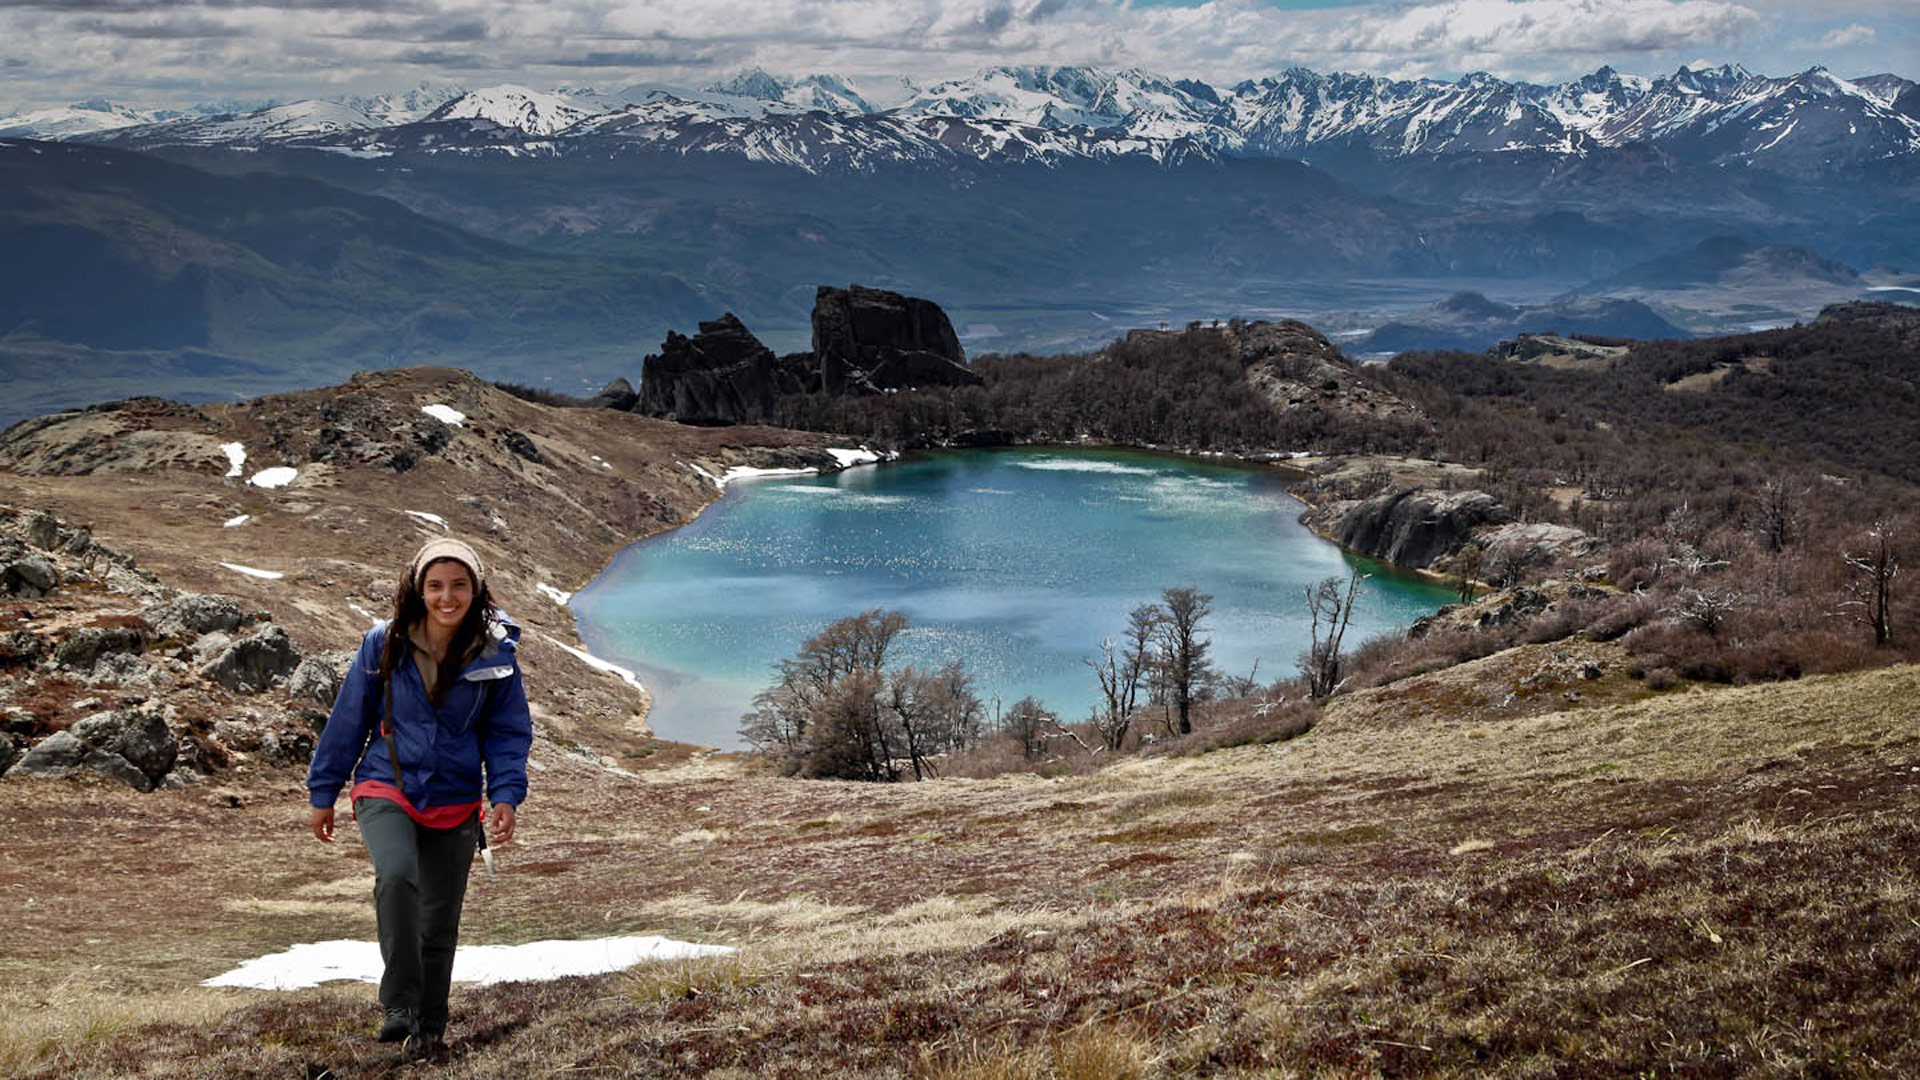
1183 649
1776 513
1871 584
1330 607
1709 609
1122 672
1030 722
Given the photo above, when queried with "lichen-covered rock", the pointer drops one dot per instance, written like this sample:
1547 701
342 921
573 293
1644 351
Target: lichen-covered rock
192 614
254 664
28 576
317 680
86 646
54 756
43 531
137 736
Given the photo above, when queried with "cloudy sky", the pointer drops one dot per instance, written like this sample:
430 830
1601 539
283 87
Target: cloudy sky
181 51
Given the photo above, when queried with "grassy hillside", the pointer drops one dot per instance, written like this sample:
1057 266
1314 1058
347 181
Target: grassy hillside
1474 873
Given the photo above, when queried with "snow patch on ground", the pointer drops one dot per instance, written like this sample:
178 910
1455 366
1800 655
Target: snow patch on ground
849 458
364 613
319 962
270 575
236 522
277 477
433 519
236 455
748 472
553 594
598 664
446 414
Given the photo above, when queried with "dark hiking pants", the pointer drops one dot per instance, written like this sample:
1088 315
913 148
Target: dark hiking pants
419 883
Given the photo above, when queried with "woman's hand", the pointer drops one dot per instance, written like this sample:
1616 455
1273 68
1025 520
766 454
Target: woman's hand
323 824
500 824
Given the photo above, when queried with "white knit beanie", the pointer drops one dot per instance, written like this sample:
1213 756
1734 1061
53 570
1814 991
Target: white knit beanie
446 547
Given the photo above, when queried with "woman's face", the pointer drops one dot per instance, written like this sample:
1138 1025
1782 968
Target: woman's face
448 591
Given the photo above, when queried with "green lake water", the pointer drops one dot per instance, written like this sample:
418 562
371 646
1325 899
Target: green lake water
1016 561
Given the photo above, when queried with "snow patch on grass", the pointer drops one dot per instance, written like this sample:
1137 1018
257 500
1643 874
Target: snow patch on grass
558 596
236 522
250 571
598 664
236 456
318 962
277 477
446 414
432 519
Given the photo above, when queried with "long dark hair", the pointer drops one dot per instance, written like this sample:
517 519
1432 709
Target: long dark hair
410 608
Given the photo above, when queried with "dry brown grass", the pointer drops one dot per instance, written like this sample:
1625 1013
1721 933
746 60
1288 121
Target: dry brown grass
1436 881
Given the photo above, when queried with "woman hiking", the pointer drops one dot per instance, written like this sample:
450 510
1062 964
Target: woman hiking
431 716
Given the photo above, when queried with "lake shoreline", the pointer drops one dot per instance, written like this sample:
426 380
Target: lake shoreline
663 627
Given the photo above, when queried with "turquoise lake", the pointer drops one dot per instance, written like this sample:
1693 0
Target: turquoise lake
1017 561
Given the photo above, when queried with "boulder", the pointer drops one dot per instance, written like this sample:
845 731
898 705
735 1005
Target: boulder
190 615
89 644
1414 527
55 755
28 576
317 680
519 443
871 341
618 394
254 664
43 531
9 753
138 737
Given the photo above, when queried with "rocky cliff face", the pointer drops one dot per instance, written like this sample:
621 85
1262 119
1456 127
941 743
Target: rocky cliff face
1414 528
865 341
871 341
721 375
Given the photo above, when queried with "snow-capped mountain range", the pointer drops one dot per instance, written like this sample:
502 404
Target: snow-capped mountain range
1813 121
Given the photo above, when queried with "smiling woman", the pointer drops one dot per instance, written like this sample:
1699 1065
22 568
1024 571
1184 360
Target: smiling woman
430 717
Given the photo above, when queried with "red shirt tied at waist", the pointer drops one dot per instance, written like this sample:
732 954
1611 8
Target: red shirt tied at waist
433 817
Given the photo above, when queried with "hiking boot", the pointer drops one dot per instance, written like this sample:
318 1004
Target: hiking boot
398 1026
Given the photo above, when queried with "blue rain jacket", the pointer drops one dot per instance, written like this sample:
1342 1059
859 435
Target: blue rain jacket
474 741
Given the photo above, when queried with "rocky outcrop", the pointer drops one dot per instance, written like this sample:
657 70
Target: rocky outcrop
618 394
872 341
133 746
190 615
1412 527
865 341
722 375
254 664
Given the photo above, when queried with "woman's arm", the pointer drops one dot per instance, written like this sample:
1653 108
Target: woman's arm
355 713
508 736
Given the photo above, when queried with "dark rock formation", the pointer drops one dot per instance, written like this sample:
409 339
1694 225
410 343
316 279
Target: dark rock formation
254 664
722 375
618 394
866 341
520 444
27 575
870 341
1412 528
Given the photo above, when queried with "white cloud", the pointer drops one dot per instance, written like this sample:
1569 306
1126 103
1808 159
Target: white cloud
1852 34
155 53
